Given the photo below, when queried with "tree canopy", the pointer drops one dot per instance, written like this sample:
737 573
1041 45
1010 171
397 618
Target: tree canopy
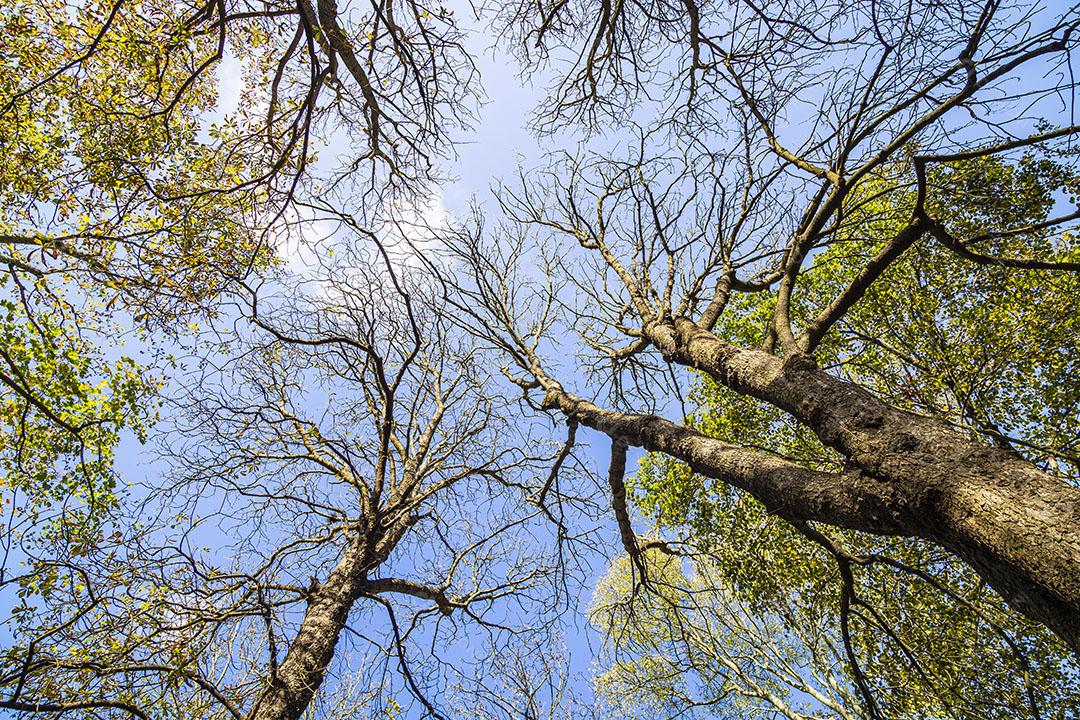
953 344
815 264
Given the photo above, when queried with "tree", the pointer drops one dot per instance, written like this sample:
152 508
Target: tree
123 193
671 241
924 634
689 647
755 628
132 199
349 441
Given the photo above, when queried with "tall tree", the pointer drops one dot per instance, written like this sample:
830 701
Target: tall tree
669 242
343 480
151 151
920 629
132 185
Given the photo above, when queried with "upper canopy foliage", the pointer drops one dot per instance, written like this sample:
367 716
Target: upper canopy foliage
993 351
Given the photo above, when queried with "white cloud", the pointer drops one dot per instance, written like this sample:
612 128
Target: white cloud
416 227
230 85
307 247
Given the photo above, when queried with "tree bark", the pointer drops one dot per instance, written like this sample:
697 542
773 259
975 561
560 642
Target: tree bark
849 499
1016 526
295 682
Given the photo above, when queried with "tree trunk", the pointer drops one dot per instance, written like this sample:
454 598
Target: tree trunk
1018 527
299 676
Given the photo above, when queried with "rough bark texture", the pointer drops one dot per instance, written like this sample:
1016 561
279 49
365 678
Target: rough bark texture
299 676
1018 527
848 499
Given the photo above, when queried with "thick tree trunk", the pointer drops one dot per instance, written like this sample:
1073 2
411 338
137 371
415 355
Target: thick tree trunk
299 676
1018 527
